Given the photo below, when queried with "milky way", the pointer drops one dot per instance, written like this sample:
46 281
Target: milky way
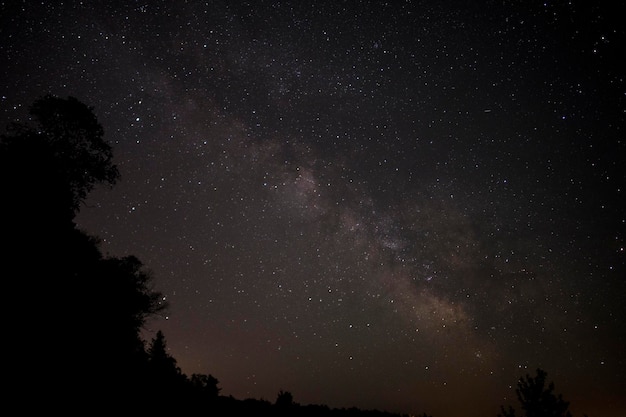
404 205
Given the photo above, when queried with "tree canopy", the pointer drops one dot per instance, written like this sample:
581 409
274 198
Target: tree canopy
537 399
61 154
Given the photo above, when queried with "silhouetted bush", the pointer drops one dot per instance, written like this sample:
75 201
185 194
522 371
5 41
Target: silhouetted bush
537 399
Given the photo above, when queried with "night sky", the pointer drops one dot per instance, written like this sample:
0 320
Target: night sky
399 205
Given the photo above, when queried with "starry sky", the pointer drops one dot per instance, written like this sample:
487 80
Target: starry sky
402 205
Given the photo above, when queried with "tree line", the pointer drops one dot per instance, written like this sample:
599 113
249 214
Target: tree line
73 316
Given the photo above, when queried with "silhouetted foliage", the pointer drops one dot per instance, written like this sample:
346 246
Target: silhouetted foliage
284 399
205 385
537 399
161 361
66 147
167 382
127 286
78 314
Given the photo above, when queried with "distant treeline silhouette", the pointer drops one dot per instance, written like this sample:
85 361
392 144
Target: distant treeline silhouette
73 317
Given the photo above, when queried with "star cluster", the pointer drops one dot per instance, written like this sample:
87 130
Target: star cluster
394 205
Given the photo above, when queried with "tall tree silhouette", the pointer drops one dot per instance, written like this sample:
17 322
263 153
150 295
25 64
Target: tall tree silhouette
75 315
160 360
537 399
168 386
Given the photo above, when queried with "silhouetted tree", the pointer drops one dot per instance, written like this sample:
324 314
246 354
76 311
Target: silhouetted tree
205 385
537 399
126 292
168 388
68 138
163 364
284 399
121 299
